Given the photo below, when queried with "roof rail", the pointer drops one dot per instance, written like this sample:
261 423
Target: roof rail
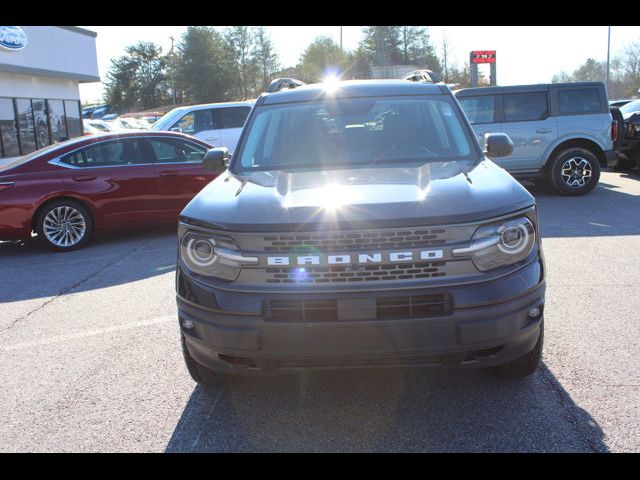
280 83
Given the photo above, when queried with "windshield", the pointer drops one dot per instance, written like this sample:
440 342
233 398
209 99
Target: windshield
630 107
165 121
354 132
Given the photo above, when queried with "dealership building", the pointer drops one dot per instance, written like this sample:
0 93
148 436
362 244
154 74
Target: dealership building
41 69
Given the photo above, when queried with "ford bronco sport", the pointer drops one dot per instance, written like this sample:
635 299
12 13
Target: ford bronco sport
360 224
560 131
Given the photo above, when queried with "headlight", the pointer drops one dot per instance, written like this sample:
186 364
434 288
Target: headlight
212 255
500 244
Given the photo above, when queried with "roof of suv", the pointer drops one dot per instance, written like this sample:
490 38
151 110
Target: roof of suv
350 89
523 88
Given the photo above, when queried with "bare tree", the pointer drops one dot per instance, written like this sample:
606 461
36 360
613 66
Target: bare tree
445 56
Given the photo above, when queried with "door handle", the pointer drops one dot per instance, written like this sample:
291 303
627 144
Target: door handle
83 178
211 139
169 173
543 130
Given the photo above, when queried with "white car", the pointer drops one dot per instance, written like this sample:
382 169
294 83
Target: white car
101 125
219 124
128 123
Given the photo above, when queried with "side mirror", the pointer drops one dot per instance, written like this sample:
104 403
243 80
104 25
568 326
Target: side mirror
215 160
497 145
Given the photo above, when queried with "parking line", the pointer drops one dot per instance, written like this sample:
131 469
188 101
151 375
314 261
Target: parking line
88 333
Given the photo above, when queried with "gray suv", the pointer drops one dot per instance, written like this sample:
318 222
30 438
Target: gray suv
559 131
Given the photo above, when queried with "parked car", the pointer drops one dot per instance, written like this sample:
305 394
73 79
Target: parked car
339 240
89 129
560 131
100 125
67 191
630 108
219 124
97 111
619 103
151 119
129 123
629 145
423 75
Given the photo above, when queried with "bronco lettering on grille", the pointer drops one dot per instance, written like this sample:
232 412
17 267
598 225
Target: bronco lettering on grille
347 259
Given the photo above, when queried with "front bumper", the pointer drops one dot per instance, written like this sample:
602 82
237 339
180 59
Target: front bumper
489 326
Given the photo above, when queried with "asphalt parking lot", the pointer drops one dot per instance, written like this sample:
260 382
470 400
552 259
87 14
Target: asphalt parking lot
90 358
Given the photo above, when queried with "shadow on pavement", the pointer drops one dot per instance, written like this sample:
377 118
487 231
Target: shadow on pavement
30 270
605 211
411 410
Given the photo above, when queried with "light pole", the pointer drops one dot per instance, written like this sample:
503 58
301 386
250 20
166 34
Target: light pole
173 72
608 49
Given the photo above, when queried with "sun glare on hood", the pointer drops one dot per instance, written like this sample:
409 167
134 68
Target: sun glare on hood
330 197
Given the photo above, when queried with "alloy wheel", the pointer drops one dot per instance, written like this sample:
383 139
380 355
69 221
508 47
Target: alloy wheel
64 226
576 172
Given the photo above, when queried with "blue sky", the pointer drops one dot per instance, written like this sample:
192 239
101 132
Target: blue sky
526 54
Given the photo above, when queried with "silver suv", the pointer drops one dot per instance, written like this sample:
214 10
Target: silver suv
562 131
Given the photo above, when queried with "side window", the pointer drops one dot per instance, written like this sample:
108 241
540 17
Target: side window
519 107
234 117
579 100
75 159
479 109
108 154
169 150
197 121
187 123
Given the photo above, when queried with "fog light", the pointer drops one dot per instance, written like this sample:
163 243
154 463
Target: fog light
188 324
533 312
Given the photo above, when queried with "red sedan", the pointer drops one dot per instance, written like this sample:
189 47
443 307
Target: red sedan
68 190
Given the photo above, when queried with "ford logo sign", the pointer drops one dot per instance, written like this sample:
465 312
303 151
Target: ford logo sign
12 38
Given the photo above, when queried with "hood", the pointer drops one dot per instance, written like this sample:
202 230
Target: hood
431 194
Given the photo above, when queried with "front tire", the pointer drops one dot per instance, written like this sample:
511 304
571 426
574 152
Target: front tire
575 171
64 225
525 365
198 372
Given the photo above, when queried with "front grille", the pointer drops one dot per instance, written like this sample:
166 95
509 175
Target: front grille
386 308
302 310
415 306
340 241
364 273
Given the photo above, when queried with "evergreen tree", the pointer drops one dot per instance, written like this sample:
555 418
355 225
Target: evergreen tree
264 57
240 41
137 80
417 49
382 45
203 67
321 57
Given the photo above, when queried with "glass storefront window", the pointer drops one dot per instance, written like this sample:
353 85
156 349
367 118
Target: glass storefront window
40 121
8 129
74 122
26 126
57 120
